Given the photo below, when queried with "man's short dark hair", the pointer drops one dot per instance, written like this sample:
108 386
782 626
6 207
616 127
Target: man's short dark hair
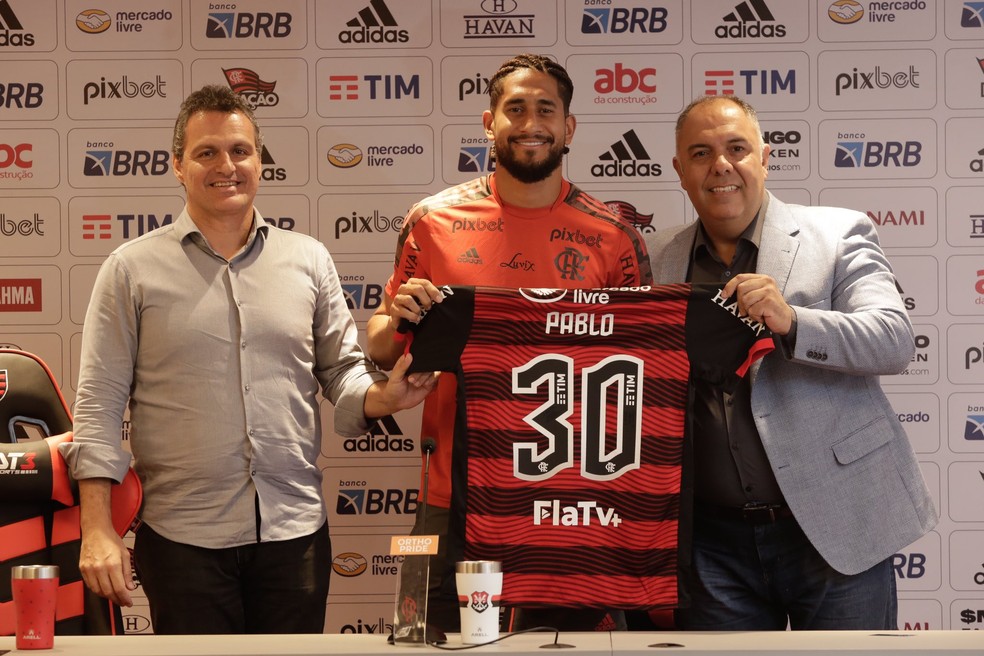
211 98
536 63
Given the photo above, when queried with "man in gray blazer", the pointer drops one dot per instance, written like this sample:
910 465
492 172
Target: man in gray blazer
805 481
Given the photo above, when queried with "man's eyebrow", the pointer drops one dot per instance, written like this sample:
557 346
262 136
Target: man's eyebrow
520 100
731 141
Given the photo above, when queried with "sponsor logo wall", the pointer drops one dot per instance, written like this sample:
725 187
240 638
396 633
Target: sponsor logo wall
370 105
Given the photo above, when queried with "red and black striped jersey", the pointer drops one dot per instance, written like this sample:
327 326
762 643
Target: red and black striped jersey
467 235
569 441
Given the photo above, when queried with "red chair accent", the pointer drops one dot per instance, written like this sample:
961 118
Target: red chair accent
39 512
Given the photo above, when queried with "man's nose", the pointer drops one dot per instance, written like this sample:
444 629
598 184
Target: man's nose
225 163
722 164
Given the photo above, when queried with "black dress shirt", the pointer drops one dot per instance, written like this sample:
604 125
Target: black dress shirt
731 467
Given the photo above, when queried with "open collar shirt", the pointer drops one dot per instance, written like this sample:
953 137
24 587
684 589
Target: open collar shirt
220 363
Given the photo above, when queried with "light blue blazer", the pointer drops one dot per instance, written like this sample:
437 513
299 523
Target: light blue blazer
842 459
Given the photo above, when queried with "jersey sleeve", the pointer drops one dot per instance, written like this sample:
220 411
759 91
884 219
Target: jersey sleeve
634 259
410 254
438 340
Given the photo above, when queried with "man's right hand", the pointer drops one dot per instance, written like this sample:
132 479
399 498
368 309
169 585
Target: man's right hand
411 302
104 560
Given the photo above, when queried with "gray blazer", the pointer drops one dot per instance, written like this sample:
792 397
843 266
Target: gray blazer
842 459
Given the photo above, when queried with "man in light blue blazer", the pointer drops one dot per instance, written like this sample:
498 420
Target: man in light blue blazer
805 483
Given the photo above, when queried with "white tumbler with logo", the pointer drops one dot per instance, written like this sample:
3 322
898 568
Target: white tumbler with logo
479 590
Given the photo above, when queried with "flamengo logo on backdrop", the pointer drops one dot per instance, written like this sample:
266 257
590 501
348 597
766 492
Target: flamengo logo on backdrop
20 294
619 20
374 24
972 14
756 82
12 32
750 19
627 157
498 22
247 83
243 26
628 212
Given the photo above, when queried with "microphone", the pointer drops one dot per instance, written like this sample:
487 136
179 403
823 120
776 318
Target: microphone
428 445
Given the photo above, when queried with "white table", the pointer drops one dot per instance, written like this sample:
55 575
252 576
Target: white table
799 643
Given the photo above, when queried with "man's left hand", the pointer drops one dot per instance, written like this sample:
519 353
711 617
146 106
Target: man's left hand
400 391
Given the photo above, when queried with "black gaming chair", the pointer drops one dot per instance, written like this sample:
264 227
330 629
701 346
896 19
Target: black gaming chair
39 512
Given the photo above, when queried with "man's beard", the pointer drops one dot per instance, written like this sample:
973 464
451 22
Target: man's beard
527 171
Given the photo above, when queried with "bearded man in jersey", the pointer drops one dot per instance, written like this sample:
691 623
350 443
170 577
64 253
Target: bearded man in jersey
522 226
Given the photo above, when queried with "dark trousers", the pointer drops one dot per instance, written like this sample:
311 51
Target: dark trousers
761 578
266 587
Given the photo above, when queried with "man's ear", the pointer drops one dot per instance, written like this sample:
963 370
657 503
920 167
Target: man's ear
487 119
176 166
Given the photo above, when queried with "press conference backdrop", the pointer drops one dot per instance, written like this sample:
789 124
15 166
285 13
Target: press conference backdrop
369 105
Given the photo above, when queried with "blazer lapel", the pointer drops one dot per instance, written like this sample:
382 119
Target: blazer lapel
779 242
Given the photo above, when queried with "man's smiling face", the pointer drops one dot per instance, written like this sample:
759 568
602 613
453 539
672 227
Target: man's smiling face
220 166
529 127
722 165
